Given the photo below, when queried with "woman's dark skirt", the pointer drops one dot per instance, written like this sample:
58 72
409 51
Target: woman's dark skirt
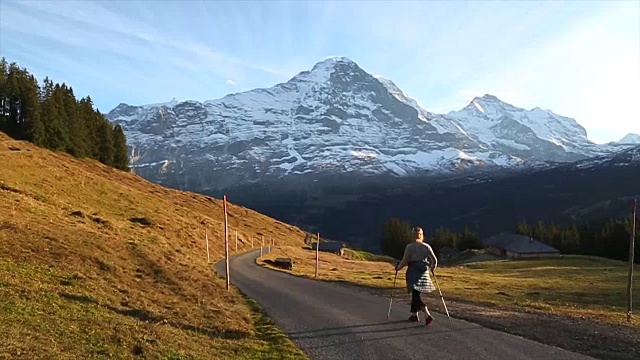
418 281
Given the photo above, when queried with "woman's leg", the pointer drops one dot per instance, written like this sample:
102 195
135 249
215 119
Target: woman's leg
428 318
426 310
416 302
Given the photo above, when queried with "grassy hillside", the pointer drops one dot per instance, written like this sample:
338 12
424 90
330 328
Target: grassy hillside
575 285
96 263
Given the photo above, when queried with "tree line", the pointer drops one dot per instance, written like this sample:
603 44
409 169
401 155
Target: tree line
397 234
50 116
606 238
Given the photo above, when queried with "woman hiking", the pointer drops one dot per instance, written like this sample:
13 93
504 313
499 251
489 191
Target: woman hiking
419 258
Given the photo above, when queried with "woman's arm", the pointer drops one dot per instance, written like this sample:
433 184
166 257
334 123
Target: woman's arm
405 259
433 260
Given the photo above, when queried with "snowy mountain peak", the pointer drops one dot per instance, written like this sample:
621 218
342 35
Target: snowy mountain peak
335 118
323 71
487 106
494 122
489 97
173 102
337 59
630 139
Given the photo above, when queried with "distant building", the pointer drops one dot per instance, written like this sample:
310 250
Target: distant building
518 246
335 247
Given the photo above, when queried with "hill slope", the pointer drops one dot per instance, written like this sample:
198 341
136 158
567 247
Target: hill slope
344 208
95 262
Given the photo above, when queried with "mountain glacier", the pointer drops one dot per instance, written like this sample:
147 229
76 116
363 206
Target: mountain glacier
337 118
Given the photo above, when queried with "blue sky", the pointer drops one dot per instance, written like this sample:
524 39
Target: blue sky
578 58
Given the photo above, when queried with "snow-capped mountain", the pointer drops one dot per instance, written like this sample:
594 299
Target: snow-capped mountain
626 157
536 133
630 139
336 118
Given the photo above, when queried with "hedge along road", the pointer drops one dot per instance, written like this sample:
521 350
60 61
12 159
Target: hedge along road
338 321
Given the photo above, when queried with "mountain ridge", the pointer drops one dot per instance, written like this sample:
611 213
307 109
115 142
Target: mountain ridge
489 202
336 117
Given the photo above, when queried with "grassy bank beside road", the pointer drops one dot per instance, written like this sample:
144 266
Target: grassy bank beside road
100 263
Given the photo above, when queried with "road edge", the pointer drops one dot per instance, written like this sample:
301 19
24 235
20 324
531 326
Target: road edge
264 326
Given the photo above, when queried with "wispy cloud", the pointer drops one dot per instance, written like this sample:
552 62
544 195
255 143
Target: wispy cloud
142 53
576 58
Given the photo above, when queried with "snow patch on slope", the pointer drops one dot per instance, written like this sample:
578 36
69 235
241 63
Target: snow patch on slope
478 106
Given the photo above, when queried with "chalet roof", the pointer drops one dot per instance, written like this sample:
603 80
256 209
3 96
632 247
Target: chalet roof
521 244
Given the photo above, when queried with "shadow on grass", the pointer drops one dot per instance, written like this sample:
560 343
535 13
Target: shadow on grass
78 298
158 273
147 316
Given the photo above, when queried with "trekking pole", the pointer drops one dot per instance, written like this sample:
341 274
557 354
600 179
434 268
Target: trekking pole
391 298
441 297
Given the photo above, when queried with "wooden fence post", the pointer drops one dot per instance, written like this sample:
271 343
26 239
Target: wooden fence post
631 259
226 238
317 254
206 239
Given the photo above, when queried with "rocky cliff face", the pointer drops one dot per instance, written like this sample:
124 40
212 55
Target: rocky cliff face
336 119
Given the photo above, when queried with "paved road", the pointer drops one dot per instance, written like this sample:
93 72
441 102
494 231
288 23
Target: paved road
338 321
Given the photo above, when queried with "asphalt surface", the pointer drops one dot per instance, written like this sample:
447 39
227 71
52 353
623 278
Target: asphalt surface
338 321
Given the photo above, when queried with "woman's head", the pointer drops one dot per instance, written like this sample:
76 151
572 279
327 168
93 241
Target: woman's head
418 234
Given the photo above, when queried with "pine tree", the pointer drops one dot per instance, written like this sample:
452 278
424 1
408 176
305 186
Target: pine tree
439 239
539 231
4 95
77 129
571 240
553 236
12 93
30 126
50 116
396 235
89 120
468 239
54 117
106 151
523 228
120 156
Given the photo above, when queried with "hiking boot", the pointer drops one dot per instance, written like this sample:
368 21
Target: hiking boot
428 320
414 318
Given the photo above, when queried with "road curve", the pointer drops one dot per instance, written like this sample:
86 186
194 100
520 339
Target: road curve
338 321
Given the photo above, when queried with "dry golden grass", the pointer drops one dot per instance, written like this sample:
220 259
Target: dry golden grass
574 285
79 279
332 267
